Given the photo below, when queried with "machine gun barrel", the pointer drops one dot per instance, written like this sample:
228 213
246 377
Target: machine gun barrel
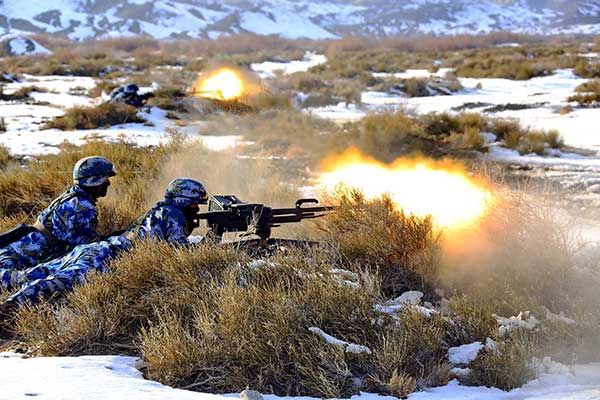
288 215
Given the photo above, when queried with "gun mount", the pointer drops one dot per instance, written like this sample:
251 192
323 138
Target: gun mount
227 213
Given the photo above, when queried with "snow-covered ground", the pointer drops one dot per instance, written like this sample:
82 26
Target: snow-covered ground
117 377
269 69
543 98
23 121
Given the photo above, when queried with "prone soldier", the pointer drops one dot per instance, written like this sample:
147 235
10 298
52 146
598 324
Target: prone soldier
129 95
174 218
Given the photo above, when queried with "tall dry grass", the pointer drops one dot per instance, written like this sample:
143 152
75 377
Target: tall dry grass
101 116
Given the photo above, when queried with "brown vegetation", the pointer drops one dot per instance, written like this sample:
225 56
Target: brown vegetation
30 190
101 116
587 94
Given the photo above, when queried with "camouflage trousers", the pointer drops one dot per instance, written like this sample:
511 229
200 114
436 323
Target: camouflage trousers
62 274
26 252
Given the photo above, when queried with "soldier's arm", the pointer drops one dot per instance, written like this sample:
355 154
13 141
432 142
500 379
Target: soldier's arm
174 230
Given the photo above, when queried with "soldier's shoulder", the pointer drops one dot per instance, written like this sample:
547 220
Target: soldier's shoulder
170 211
78 203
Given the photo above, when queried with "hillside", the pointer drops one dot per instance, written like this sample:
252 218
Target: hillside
81 19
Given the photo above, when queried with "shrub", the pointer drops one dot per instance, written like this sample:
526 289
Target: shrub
376 236
20 94
585 99
589 86
168 98
2 125
507 130
417 87
473 320
586 69
472 139
103 86
385 133
440 124
507 367
587 94
536 141
25 91
101 116
268 100
415 346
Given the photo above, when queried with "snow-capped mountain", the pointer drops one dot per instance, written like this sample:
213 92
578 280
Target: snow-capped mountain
316 19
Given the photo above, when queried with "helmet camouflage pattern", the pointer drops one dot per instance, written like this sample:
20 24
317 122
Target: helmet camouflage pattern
131 88
93 171
183 191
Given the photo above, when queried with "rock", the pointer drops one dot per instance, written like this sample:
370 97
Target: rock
249 394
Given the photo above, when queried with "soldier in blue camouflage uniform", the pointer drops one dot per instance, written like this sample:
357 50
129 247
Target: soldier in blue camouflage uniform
70 220
172 220
62 274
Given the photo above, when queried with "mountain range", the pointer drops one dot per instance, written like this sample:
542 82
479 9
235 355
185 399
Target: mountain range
314 19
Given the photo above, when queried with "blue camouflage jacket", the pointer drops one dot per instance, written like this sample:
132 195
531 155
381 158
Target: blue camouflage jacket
71 219
163 222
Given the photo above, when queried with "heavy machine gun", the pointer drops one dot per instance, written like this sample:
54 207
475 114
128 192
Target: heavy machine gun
227 213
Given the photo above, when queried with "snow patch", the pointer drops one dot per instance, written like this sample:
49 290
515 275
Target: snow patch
521 321
464 354
348 347
19 46
408 300
269 69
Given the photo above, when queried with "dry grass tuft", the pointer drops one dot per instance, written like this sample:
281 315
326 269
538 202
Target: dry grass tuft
376 236
5 157
537 141
168 98
587 94
101 116
507 367
473 320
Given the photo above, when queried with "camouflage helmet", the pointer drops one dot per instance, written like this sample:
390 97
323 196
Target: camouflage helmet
93 171
131 88
183 192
